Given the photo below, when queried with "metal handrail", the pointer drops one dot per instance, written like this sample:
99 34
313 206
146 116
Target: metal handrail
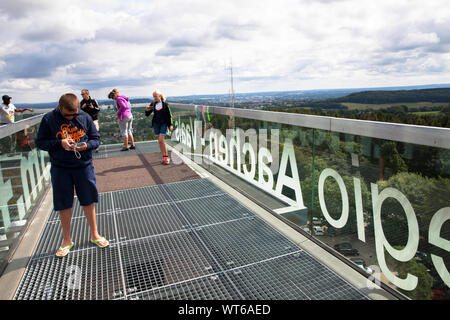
422 135
10 129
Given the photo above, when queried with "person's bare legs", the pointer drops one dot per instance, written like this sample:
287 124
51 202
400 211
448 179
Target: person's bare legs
125 142
89 212
130 137
162 145
65 216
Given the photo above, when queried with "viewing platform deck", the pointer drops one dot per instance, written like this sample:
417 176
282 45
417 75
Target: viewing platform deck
176 232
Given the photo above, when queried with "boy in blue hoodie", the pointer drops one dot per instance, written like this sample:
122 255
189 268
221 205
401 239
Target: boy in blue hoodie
69 135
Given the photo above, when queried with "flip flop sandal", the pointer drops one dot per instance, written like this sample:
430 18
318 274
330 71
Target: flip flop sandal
97 242
65 250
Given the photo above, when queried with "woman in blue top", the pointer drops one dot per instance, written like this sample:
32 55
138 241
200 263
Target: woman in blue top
162 120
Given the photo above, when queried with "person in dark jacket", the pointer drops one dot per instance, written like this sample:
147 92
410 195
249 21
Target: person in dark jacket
69 135
90 106
162 120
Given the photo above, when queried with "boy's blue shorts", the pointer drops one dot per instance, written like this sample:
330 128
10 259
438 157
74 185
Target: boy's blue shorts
160 128
63 182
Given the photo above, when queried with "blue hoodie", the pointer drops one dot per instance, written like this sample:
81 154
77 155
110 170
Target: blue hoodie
54 127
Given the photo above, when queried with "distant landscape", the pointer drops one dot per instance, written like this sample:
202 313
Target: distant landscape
427 107
251 97
419 105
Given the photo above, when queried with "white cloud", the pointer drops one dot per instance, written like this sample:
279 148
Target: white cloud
17 84
184 47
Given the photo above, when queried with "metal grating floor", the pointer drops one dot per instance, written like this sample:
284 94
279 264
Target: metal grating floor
183 240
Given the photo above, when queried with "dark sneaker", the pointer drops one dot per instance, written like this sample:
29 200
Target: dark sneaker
133 147
125 149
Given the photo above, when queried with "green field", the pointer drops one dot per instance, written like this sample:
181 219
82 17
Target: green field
425 113
410 105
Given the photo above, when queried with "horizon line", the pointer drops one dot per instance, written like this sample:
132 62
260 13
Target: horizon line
256 92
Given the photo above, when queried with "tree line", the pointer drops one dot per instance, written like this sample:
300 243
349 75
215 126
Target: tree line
396 114
397 96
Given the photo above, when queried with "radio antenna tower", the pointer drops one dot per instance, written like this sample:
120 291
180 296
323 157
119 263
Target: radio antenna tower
232 87
231 121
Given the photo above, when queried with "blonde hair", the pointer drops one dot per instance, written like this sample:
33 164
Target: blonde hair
85 90
159 93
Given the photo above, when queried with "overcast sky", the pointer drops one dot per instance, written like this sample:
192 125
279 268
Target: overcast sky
184 47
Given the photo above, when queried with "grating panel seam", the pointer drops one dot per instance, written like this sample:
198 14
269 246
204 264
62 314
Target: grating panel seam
216 274
174 289
196 227
170 285
154 236
182 256
169 202
202 242
56 219
337 275
190 229
294 244
112 211
273 229
156 186
118 249
276 230
109 211
97 214
43 257
53 218
52 234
